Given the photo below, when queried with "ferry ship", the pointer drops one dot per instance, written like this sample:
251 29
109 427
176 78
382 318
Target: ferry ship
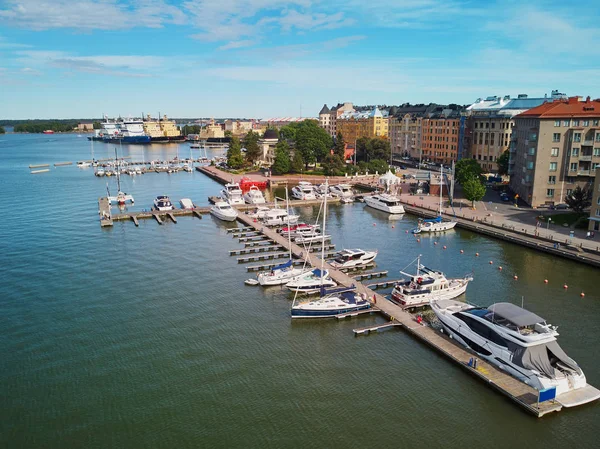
131 131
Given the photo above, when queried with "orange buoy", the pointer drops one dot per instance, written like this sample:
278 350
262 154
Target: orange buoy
545 281
491 262
515 277
444 246
393 226
582 295
565 286
500 268
435 243
476 254
418 240
374 224
461 251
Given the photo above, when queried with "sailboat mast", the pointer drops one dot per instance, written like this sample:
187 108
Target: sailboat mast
441 186
324 227
418 264
118 172
287 205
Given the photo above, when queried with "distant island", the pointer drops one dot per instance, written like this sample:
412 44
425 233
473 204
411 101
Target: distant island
2 131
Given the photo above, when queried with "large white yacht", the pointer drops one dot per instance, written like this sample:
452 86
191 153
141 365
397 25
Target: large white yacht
224 211
304 191
518 342
427 285
254 196
232 193
341 190
352 258
162 203
385 202
279 217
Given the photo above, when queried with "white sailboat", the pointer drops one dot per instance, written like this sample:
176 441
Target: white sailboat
436 224
121 197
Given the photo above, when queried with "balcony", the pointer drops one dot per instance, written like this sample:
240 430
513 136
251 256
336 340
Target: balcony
585 158
583 172
588 142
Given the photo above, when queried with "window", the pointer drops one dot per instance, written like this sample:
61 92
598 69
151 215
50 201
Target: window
556 122
530 165
570 179
598 137
596 122
554 152
596 151
597 212
556 137
575 122
576 137
553 166
575 152
586 123
566 123
573 166
475 125
493 125
487 124
551 179
549 192
569 191
482 329
531 152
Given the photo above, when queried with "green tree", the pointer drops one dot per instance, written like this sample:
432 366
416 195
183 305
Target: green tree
375 148
333 165
253 152
339 148
378 165
2 131
467 169
234 154
297 162
502 162
579 199
281 164
97 125
473 189
228 133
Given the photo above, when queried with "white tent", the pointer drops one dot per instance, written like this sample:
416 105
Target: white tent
389 179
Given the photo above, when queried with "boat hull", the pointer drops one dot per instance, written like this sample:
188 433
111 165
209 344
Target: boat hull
438 227
308 313
382 207
450 293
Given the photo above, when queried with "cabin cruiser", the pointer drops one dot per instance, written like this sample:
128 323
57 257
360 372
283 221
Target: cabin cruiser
279 217
519 342
258 212
436 224
254 196
298 230
331 303
427 285
304 191
281 274
100 172
163 202
321 191
351 258
232 194
224 211
83 164
186 203
311 282
312 236
341 191
385 202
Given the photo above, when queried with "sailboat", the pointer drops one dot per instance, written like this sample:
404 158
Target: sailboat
121 197
436 224
282 274
333 302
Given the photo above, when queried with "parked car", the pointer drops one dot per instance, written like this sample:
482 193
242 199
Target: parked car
561 206
504 196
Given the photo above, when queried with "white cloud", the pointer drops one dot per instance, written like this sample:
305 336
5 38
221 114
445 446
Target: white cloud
309 21
237 44
89 14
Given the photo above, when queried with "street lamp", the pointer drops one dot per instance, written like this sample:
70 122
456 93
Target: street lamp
549 220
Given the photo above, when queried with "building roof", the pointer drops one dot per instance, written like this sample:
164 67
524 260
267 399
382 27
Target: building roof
376 112
324 110
271 133
572 107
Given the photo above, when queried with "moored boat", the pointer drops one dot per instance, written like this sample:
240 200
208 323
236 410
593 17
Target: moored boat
385 202
304 191
254 196
224 211
352 258
163 203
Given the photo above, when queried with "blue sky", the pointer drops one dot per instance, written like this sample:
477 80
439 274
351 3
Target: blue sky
269 58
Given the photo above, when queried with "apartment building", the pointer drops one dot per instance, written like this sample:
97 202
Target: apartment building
354 125
554 148
328 117
440 136
594 224
405 135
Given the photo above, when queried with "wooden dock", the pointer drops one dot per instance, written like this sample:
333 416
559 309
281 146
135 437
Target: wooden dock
375 328
256 249
522 394
104 212
375 274
259 257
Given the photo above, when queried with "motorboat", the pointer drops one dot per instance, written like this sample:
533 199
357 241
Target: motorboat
298 230
347 200
232 194
163 203
341 190
331 303
224 211
100 172
304 191
518 342
436 224
187 167
83 164
427 285
310 237
259 212
352 258
279 217
311 282
385 202
254 196
281 274
321 191
186 203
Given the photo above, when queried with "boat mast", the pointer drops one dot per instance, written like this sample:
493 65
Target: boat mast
118 172
441 187
323 234
287 203
418 264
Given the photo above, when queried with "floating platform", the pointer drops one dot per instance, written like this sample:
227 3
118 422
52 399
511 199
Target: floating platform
375 328
374 274
259 257
384 284
257 249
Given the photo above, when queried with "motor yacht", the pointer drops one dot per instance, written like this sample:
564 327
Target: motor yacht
224 211
331 303
254 196
304 191
83 164
258 212
519 342
232 194
310 237
352 258
341 191
162 203
385 202
279 217
311 282
427 285
298 230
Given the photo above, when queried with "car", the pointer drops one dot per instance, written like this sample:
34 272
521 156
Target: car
561 206
504 196
402 167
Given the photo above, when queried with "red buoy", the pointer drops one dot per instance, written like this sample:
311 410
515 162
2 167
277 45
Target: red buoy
491 262
500 268
461 251
476 254
582 295
515 277
435 243
418 240
545 281
565 286
444 246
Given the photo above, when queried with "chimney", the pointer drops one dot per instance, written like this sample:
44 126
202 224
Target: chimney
587 100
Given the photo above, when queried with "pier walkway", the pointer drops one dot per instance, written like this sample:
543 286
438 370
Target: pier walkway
520 393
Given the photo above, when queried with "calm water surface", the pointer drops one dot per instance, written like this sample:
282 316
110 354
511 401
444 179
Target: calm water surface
147 337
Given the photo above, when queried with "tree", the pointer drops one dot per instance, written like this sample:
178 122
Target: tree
502 162
378 165
253 152
473 189
2 131
339 148
234 154
579 199
228 133
333 165
97 125
467 169
375 148
281 164
297 162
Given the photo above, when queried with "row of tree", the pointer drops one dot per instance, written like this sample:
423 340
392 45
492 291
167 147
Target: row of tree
2 131
38 127
235 157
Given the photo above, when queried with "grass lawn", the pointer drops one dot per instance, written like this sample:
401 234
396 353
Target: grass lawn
570 218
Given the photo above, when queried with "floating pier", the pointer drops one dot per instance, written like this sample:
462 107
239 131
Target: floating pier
60 164
270 265
258 257
257 249
375 274
375 328
38 165
43 170
384 284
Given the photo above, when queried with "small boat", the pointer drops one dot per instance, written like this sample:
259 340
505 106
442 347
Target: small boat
187 167
341 190
83 164
162 203
518 342
100 172
48 131
254 196
311 237
427 285
281 274
298 229
347 200
259 212
279 217
232 193
186 203
352 258
304 191
436 224
311 282
331 303
251 281
385 202
224 211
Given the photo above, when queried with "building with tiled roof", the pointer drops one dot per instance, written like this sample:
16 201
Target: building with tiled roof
554 148
354 125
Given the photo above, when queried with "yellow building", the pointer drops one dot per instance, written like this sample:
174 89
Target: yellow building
164 129
212 130
355 125
169 128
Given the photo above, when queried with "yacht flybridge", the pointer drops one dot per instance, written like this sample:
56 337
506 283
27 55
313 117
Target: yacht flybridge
304 191
385 203
518 342
232 194
352 258
254 196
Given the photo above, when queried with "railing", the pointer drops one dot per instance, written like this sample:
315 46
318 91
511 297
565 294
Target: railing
583 173
585 158
588 142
